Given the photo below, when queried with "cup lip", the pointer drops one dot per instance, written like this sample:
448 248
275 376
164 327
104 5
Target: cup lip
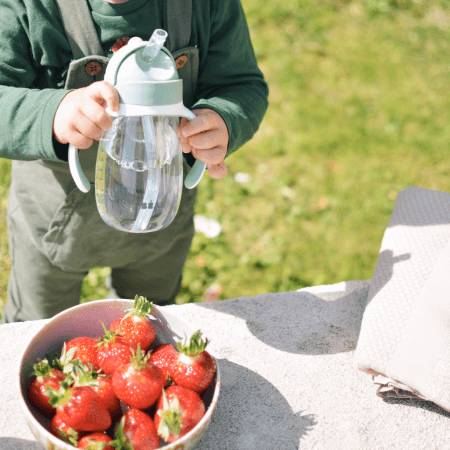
202 424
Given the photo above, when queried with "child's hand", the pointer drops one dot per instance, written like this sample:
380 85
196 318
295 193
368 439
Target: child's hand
81 115
207 138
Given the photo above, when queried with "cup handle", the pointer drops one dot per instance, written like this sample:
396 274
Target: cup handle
198 169
76 171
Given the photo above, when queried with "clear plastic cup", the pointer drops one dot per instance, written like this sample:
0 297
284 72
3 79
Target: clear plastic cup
139 173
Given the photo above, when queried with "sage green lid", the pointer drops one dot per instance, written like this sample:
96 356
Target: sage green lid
139 82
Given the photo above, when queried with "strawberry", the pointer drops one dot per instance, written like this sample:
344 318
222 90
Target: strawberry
67 434
163 356
102 385
80 408
95 441
86 350
139 383
134 326
136 431
45 376
194 368
113 352
178 411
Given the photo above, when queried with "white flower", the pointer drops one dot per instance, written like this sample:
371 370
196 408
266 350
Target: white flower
209 227
242 177
263 168
287 192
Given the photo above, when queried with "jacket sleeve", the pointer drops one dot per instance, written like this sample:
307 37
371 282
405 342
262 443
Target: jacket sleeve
26 125
230 81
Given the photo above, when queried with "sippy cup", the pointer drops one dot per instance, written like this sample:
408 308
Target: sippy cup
139 169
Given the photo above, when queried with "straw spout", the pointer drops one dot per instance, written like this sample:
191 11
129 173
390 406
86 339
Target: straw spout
154 45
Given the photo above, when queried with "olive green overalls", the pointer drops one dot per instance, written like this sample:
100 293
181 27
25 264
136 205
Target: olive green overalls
56 234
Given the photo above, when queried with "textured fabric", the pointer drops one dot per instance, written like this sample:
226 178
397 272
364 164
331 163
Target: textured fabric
179 15
54 245
83 41
63 234
35 56
57 235
405 334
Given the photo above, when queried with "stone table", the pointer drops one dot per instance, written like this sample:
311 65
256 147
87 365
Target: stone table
288 377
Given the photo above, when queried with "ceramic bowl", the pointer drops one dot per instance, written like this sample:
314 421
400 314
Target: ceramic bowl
86 320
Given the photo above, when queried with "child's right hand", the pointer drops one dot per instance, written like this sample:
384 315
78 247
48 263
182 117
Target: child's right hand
81 116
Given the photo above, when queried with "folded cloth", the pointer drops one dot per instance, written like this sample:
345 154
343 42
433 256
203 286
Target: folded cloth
404 341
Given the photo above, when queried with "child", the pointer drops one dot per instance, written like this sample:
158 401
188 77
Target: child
51 65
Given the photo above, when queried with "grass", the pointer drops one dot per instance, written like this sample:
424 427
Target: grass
358 111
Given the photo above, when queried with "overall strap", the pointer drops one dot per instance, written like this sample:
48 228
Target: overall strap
178 23
79 27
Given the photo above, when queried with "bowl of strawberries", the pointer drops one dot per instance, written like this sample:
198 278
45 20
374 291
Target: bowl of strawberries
118 375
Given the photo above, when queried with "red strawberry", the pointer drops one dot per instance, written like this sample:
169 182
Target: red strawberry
178 411
113 352
139 383
80 408
102 385
86 350
95 441
136 431
194 368
67 434
163 356
45 376
134 325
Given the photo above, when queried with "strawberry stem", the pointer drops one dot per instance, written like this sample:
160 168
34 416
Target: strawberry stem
195 345
139 359
96 445
71 436
120 441
61 396
107 338
85 377
68 364
42 368
170 418
141 307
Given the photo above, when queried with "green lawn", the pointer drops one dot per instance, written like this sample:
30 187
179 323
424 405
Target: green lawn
359 110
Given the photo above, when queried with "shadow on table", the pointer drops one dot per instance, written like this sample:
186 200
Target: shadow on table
302 322
386 261
421 404
9 443
255 414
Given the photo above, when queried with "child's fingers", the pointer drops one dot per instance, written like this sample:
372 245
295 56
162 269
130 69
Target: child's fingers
184 141
217 170
81 116
210 156
206 120
208 139
77 139
99 95
103 92
88 128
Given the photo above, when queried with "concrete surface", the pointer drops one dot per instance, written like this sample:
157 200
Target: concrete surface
288 378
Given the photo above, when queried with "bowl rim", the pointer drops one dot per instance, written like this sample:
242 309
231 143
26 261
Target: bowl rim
179 443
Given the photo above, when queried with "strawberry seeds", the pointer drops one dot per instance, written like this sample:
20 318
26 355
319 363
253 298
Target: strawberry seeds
118 392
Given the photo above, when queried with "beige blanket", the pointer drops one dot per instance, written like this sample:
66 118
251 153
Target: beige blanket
405 334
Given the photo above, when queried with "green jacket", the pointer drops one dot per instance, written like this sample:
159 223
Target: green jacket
35 53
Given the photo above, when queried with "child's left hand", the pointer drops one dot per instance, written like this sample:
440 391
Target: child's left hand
206 137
